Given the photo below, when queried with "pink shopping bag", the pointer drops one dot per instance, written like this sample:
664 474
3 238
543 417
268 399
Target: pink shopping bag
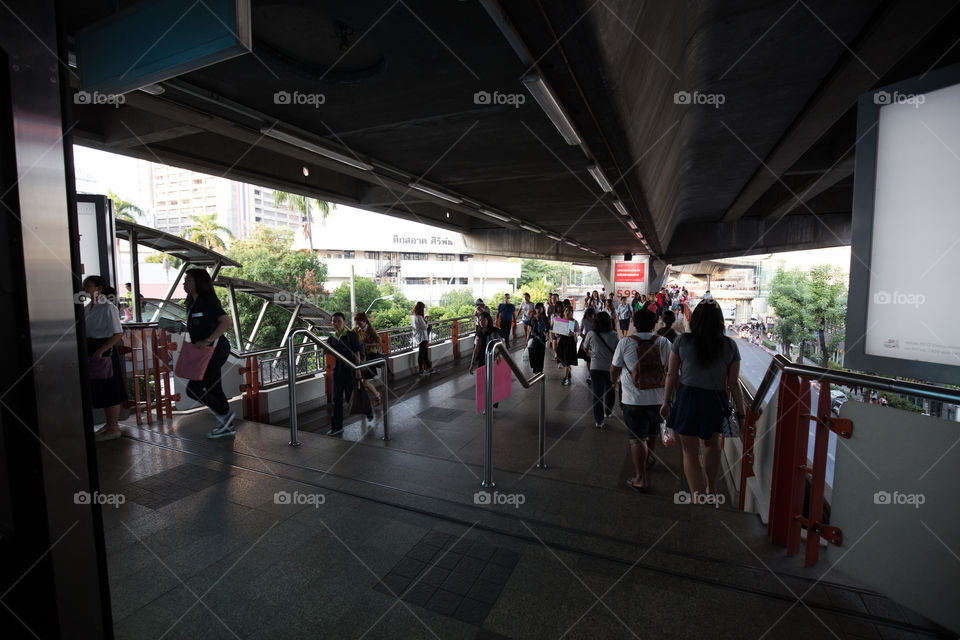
193 360
502 379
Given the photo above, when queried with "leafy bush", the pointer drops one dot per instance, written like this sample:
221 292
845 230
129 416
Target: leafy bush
769 345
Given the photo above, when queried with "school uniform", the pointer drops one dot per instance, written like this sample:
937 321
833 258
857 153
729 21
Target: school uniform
102 321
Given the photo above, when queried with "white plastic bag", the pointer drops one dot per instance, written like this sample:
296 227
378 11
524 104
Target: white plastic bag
668 436
526 356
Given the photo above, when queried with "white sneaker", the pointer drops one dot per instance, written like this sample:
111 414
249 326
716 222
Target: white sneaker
224 429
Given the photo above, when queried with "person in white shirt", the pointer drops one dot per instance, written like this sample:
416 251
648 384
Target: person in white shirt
526 315
641 407
104 331
421 337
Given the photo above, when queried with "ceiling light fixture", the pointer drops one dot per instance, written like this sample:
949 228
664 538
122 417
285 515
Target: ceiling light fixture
554 237
600 177
296 141
495 216
622 209
529 228
632 225
551 106
435 193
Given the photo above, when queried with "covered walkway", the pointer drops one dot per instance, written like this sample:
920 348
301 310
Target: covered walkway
252 538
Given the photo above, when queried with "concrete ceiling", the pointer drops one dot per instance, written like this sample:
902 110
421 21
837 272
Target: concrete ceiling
768 169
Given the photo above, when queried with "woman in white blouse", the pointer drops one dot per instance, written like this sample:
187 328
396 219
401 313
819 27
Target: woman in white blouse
104 332
421 337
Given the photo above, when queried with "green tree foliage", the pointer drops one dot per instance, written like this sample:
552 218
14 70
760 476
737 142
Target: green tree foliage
807 304
267 256
458 298
365 291
124 209
547 274
207 231
825 307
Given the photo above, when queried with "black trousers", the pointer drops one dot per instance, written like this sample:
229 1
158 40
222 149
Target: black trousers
505 332
342 391
209 391
603 393
537 351
423 356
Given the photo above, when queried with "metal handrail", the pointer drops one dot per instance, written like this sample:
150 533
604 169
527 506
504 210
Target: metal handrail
916 389
292 385
497 344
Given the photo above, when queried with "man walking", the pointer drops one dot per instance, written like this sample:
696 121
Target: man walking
505 313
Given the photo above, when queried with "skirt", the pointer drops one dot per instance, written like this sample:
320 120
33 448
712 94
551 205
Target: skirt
113 390
567 351
698 412
369 373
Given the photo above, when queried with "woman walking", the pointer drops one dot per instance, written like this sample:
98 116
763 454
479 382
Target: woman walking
370 340
567 344
421 336
589 316
104 331
207 323
702 363
537 344
600 345
624 314
667 330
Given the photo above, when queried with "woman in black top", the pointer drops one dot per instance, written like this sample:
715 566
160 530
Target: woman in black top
207 323
537 345
667 330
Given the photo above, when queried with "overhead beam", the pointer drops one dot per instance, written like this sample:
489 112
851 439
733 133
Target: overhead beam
813 188
896 29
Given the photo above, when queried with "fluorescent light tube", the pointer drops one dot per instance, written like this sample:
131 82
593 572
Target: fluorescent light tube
529 228
551 106
600 177
622 209
496 216
435 193
632 225
554 237
573 244
276 134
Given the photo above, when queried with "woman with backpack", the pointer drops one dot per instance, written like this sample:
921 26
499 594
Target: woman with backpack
600 345
695 402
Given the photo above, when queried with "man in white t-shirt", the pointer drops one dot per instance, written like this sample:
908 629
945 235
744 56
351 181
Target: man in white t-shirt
526 314
641 407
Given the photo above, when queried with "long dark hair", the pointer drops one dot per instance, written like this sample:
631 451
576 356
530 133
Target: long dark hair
105 289
202 284
603 323
418 309
707 330
485 331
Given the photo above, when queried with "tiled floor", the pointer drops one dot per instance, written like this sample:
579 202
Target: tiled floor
354 537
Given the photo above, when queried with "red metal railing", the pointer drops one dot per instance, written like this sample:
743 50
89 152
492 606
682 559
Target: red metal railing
146 346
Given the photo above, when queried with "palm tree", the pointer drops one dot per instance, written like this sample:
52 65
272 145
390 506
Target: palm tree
123 209
303 204
206 230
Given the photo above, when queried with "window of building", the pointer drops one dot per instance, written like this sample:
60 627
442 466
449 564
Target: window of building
445 257
348 255
416 280
413 256
373 255
466 257
463 280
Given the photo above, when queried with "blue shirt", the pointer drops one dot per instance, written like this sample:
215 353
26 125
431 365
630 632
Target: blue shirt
506 312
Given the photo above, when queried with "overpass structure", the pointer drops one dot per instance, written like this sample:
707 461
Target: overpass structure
569 130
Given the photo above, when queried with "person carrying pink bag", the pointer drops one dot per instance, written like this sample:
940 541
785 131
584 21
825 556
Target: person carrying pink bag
207 323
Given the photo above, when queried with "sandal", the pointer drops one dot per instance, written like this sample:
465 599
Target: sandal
638 489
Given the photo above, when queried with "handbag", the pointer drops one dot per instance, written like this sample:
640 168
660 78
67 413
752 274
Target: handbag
193 361
100 368
731 428
360 402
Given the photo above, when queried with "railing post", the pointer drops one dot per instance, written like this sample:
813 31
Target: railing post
386 398
157 391
456 339
255 381
292 388
328 366
818 479
789 475
542 430
488 423
746 459
168 390
146 375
